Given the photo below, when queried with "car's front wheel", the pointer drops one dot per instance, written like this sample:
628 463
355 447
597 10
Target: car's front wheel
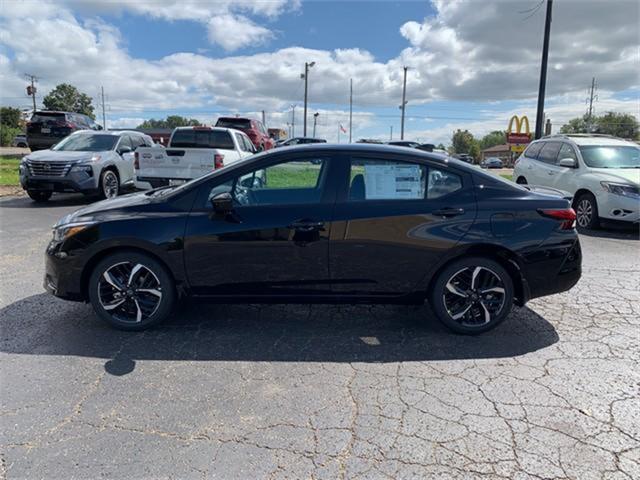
39 195
587 212
131 291
472 295
109 184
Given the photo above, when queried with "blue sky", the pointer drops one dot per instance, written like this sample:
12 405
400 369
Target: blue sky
473 63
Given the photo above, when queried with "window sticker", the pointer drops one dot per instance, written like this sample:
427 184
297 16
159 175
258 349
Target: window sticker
393 182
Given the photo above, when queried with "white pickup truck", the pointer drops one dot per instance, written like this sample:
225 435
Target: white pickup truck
191 153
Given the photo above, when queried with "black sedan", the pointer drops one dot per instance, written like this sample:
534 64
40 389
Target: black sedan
321 224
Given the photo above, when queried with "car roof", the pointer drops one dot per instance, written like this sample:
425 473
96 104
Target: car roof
590 139
116 133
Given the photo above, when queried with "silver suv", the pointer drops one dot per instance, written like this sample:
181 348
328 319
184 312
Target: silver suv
86 161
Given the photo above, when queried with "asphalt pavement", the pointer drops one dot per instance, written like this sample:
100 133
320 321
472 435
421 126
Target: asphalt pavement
252 392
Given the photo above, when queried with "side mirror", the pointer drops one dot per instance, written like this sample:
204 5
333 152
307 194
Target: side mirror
568 162
222 203
125 149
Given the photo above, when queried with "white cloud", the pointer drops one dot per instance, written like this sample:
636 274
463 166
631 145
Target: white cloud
235 31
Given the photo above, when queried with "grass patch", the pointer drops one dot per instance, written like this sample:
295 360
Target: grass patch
506 176
9 171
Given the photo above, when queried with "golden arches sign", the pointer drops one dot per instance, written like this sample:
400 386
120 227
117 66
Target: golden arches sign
520 122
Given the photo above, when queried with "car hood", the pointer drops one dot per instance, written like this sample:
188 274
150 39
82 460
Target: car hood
622 175
57 156
113 208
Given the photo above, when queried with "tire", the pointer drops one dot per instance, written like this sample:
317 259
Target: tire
521 181
461 306
39 196
587 212
109 186
139 292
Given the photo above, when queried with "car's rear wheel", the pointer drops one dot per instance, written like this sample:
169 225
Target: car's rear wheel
472 295
587 212
521 181
109 184
131 291
39 195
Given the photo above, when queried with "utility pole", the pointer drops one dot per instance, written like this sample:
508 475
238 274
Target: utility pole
104 117
305 75
404 102
592 97
315 119
350 108
391 133
543 71
263 119
32 89
293 121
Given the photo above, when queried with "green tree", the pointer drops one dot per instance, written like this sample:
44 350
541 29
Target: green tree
463 141
621 125
172 121
67 98
441 146
497 137
11 117
611 123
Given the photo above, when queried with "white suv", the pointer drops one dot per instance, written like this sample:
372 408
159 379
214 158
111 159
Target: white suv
601 172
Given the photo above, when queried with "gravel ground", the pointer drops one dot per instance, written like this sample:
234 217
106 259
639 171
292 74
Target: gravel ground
254 392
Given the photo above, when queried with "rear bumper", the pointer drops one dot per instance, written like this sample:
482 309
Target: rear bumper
555 269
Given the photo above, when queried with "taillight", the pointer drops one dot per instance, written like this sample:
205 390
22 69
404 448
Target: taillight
218 161
565 215
136 161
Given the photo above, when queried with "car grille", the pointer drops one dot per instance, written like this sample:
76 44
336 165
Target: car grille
48 169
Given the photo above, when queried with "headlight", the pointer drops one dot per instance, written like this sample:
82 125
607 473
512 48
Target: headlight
622 189
62 232
82 168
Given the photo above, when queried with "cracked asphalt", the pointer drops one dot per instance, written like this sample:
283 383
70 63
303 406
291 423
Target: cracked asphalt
326 392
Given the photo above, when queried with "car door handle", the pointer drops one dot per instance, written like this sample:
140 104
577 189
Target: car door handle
550 172
306 225
448 212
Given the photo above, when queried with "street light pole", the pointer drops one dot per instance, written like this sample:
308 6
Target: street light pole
293 121
543 71
315 119
305 75
404 102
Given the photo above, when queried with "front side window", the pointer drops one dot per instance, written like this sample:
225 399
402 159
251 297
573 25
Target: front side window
549 153
86 143
288 183
567 151
603 156
390 180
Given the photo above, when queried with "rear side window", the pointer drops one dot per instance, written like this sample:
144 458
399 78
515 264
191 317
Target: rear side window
533 150
549 153
389 180
202 139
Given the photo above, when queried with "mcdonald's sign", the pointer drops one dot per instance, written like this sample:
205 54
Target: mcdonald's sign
518 137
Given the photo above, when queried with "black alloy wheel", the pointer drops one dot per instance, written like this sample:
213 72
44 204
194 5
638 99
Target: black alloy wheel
472 295
131 291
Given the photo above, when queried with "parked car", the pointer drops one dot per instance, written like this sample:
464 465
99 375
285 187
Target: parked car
46 128
20 141
190 153
602 172
368 224
491 162
86 161
290 142
254 129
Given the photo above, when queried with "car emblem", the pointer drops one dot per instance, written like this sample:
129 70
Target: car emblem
46 166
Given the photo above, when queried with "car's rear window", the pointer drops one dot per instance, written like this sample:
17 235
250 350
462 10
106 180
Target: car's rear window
44 117
202 139
233 123
533 150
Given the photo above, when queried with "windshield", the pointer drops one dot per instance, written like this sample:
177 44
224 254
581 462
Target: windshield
87 143
233 123
600 156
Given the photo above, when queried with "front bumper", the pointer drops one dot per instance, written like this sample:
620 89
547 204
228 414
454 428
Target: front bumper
74 181
618 207
63 274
